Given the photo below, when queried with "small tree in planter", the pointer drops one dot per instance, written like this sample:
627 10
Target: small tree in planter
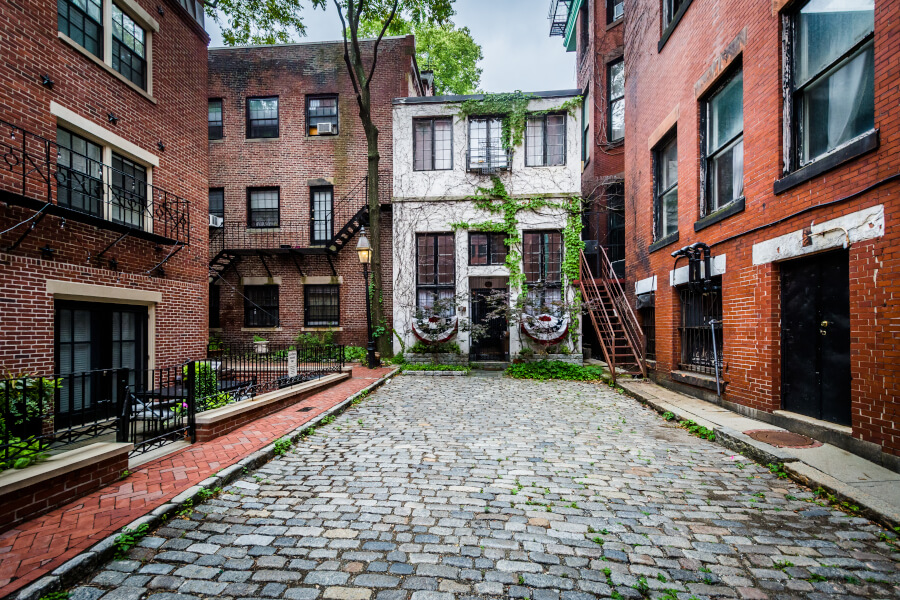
261 345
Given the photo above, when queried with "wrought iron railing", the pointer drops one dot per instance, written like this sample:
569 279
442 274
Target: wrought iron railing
147 408
559 16
488 160
39 169
701 327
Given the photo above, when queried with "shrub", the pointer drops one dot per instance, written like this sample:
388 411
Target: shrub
545 369
354 354
206 388
437 348
29 400
427 367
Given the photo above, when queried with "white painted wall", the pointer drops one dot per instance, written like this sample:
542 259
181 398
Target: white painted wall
429 202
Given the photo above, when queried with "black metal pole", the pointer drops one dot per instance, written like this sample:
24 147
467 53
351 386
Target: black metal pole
371 360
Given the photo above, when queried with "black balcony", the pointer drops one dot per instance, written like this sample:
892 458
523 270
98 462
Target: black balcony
39 174
559 16
488 160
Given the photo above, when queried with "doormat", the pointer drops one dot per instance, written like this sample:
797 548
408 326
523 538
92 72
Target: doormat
782 439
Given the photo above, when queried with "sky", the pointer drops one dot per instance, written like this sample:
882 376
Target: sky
518 52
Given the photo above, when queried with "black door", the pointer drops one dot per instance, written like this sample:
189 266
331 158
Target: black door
92 340
815 336
495 343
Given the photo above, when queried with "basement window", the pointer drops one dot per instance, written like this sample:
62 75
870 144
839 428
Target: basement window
261 305
322 305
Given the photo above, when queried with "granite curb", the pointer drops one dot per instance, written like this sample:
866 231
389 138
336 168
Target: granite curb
76 568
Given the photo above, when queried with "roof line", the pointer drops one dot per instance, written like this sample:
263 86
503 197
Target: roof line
341 41
447 99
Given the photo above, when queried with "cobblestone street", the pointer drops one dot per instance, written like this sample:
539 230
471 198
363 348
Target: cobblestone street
442 488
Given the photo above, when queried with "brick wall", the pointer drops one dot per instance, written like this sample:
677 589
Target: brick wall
175 116
658 82
292 72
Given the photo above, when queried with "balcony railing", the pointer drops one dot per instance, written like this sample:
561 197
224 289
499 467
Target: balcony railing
559 16
488 160
41 174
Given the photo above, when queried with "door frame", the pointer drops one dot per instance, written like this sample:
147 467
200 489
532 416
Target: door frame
476 294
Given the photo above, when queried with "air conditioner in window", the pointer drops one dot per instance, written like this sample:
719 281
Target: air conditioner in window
216 221
325 129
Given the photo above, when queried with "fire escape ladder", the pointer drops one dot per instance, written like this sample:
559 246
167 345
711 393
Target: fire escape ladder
613 320
342 237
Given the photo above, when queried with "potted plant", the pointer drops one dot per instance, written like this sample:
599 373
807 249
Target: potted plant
260 344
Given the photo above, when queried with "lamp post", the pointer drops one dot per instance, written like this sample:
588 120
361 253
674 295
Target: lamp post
364 250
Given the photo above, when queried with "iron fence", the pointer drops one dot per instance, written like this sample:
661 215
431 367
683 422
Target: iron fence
148 408
701 326
38 169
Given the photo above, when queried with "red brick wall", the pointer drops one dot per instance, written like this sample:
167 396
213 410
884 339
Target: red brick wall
659 81
31 48
292 72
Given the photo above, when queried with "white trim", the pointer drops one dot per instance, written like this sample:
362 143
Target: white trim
73 120
680 275
322 280
645 286
260 280
68 290
866 224
137 13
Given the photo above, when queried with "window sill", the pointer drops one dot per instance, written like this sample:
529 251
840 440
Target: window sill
251 229
323 136
78 47
701 380
544 166
265 139
615 23
322 328
217 141
615 143
667 33
732 208
849 151
662 243
261 329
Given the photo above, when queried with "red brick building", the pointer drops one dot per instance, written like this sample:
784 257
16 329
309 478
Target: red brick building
770 132
594 30
288 181
103 224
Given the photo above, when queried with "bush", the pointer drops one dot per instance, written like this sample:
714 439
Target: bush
30 400
436 368
545 369
206 388
439 348
354 354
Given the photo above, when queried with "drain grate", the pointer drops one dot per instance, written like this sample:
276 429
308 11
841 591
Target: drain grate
305 409
782 439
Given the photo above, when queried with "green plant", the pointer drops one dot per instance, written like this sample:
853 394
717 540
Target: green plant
354 354
430 367
699 430
258 338
129 538
668 416
27 400
124 474
544 370
56 596
816 577
783 564
207 493
777 470
421 347
215 343
281 446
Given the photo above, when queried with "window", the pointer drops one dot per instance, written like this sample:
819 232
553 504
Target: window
82 21
262 117
670 10
323 305
665 205
435 271
487 248
215 305
432 144
263 207
261 306
648 325
542 257
833 69
322 199
322 115
214 118
79 173
545 141
128 48
724 148
615 10
701 326
217 202
486 151
129 192
586 127
615 73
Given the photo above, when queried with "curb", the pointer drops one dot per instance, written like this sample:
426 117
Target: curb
435 373
76 568
870 507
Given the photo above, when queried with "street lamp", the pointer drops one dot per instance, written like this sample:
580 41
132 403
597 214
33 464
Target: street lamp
364 250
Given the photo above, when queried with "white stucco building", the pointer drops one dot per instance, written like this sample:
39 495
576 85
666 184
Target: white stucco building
440 161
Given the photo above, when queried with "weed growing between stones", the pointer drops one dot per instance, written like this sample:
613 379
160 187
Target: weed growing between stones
127 540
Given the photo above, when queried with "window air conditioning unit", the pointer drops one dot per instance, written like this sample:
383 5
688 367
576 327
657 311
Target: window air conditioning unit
216 221
325 129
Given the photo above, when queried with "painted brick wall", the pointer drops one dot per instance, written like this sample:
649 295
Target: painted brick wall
30 48
292 72
657 82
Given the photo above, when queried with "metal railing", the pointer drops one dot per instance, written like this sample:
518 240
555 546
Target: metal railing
145 407
39 169
702 342
559 16
488 160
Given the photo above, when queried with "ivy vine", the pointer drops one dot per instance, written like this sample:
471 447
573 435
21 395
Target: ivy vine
512 108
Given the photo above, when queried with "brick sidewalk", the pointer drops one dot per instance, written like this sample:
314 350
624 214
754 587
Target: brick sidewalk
36 547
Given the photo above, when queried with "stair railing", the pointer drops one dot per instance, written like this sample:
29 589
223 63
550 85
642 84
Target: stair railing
632 330
603 326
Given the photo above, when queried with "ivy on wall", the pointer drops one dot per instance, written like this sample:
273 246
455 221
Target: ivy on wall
512 108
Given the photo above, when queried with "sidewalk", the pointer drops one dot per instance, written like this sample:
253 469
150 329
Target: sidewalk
39 546
848 476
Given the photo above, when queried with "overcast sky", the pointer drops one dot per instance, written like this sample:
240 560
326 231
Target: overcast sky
518 52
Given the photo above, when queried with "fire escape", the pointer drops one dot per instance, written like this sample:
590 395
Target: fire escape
616 326
231 242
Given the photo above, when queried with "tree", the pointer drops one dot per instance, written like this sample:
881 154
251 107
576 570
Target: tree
450 52
269 21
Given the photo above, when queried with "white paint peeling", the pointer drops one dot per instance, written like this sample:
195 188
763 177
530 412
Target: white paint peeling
859 226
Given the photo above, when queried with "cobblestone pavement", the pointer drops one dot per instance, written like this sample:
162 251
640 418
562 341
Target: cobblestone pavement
447 488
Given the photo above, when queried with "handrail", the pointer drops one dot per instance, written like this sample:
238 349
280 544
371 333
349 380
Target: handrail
630 326
610 332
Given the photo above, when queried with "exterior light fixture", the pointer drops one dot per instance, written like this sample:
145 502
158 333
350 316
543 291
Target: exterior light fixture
46 82
112 118
161 146
363 248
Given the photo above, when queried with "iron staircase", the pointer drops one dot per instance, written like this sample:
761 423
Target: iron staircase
616 326
350 228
